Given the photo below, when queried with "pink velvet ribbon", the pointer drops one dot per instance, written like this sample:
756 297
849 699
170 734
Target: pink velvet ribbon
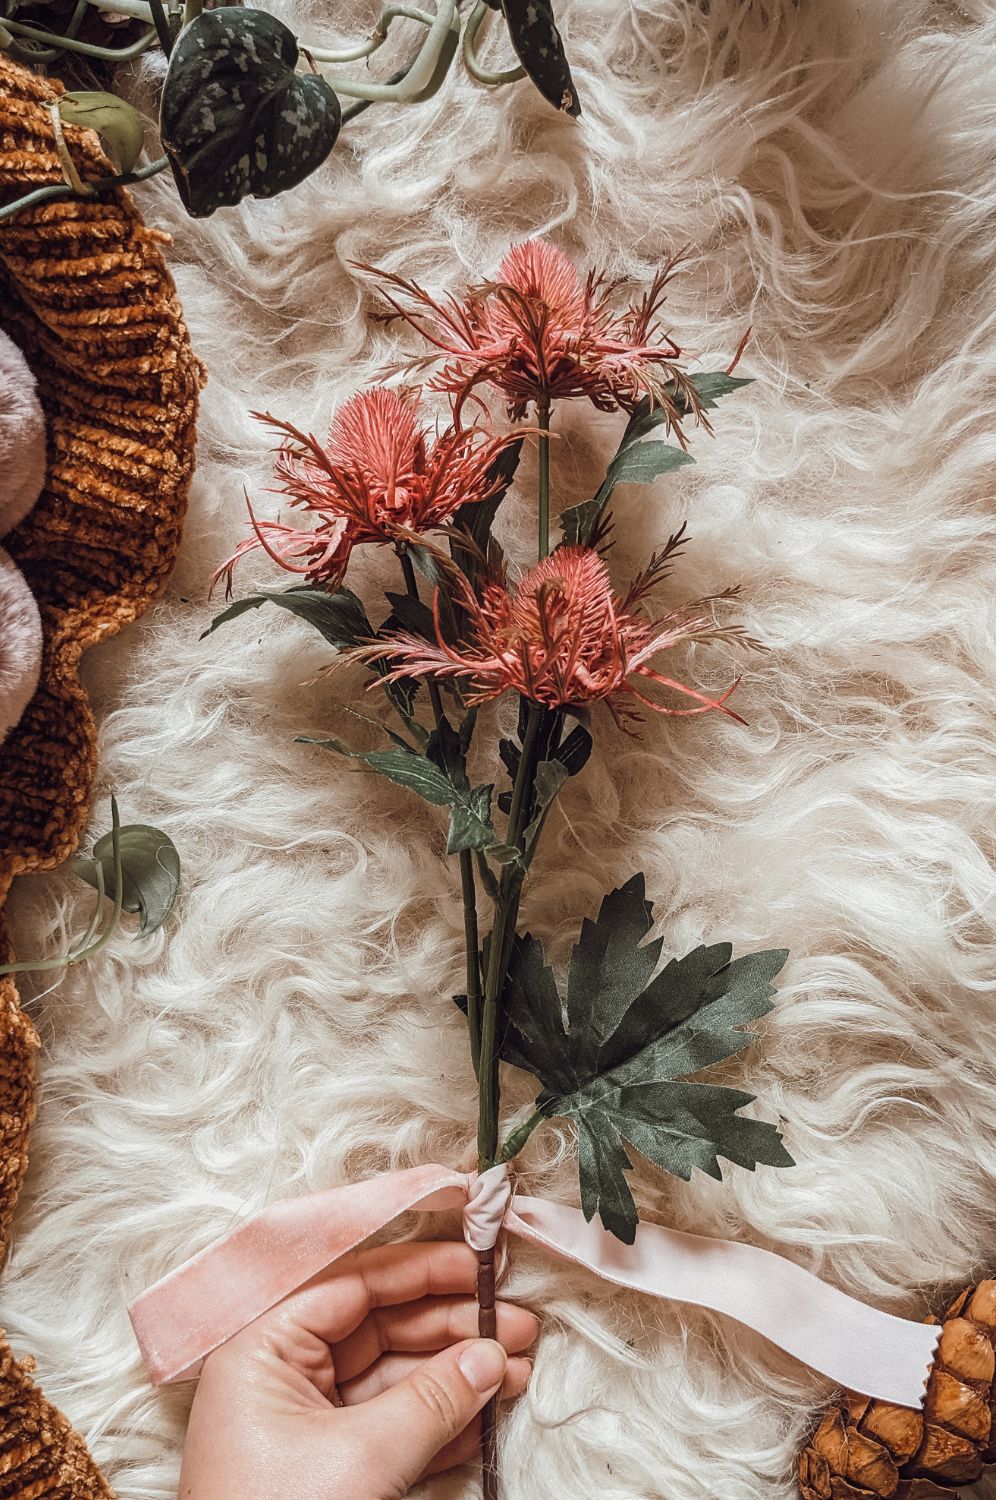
204 1302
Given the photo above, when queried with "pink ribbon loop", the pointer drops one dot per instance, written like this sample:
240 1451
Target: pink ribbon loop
201 1304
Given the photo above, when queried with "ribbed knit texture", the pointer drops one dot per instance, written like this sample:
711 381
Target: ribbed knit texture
84 292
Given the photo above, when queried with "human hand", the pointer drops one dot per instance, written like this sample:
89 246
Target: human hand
390 1333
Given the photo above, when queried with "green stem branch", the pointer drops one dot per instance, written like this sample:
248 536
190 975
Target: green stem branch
473 978
543 477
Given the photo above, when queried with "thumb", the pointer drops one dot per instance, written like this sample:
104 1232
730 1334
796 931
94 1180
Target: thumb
429 1408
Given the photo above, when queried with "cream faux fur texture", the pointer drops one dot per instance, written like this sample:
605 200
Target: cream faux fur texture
828 163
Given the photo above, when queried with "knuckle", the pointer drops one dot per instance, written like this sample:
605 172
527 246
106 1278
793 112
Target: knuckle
440 1404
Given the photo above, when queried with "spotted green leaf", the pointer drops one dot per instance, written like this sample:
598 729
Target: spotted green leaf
236 119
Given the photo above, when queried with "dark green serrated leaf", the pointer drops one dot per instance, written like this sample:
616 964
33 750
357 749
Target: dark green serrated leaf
339 617
444 748
635 462
540 51
236 118
614 1059
574 752
151 872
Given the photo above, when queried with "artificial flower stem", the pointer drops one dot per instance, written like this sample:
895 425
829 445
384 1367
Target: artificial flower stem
501 938
500 942
543 477
473 979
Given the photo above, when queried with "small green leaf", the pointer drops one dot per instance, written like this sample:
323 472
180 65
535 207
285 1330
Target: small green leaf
635 463
236 117
641 463
151 872
409 614
470 826
476 518
539 48
712 385
339 617
549 777
115 121
615 1057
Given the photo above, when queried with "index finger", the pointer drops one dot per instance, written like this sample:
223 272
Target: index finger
334 1303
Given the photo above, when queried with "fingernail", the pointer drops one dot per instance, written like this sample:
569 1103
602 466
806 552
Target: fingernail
483 1364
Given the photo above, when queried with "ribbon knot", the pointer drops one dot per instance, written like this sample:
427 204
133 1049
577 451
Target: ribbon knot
483 1215
201 1304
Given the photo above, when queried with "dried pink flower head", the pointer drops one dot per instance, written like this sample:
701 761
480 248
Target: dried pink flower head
380 478
540 333
563 638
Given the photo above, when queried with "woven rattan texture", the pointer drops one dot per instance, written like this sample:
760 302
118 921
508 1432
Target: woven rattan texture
85 293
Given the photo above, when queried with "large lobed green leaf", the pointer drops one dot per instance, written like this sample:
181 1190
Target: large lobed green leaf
616 1058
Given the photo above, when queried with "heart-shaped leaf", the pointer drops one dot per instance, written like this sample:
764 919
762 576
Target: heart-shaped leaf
151 872
236 118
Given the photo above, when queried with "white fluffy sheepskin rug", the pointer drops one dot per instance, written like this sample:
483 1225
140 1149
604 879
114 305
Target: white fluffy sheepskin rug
292 1027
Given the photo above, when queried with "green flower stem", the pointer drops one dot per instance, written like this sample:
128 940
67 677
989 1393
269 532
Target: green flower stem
501 939
473 978
543 477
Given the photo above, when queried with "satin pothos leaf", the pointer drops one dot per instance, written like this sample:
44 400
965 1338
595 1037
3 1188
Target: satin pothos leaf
339 617
151 872
236 118
616 1057
536 40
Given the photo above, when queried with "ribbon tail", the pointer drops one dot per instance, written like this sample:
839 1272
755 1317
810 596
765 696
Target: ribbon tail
197 1307
859 1347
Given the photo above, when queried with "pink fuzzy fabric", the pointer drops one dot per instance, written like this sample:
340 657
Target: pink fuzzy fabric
22 473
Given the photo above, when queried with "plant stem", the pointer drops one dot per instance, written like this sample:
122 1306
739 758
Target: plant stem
501 940
473 982
543 477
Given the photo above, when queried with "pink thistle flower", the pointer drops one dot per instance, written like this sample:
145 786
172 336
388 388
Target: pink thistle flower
380 478
563 638
540 333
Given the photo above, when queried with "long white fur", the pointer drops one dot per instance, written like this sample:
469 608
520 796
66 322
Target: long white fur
292 1026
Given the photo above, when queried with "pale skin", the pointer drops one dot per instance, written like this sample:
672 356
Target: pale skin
392 1333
